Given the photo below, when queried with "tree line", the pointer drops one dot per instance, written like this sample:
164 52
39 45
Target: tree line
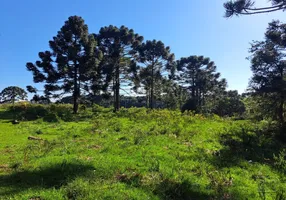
116 61
267 87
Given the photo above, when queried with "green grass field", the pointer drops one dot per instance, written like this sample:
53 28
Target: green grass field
140 154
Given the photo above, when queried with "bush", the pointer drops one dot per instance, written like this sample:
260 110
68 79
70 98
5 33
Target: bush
35 112
28 112
97 108
51 117
63 111
49 113
280 161
60 109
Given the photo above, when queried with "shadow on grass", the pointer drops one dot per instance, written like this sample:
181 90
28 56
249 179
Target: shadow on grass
6 115
53 176
171 190
258 146
168 189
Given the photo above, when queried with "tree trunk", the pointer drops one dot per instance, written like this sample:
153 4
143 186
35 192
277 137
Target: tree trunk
281 118
194 99
13 101
147 98
281 109
114 95
75 92
117 90
193 85
151 99
152 88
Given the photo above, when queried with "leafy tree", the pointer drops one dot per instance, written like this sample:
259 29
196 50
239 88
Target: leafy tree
40 99
258 108
269 66
229 104
174 95
143 85
247 7
12 94
31 89
198 75
156 59
117 46
67 67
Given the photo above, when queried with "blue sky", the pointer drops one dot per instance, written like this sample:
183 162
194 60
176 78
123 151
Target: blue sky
188 27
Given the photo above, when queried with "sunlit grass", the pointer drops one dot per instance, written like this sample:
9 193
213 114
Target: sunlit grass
139 154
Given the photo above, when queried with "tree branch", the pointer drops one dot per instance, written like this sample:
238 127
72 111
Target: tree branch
260 12
266 8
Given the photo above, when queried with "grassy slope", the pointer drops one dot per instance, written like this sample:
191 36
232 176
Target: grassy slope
139 155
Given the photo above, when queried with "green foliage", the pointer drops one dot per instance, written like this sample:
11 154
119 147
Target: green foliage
51 113
63 111
268 67
95 68
198 75
40 99
157 60
174 95
31 89
51 117
139 153
12 94
280 161
97 109
69 64
117 46
26 111
247 7
228 104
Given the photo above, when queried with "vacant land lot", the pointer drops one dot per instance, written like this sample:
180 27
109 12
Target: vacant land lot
137 154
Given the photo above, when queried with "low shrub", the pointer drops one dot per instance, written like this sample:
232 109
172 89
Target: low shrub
28 111
49 113
51 117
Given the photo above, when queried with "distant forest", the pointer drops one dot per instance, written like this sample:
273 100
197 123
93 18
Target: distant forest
117 67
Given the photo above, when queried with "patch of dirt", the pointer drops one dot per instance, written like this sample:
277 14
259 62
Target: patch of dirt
86 158
188 144
34 138
95 146
7 151
4 168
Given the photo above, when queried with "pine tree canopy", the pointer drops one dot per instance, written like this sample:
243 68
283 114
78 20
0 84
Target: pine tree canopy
247 7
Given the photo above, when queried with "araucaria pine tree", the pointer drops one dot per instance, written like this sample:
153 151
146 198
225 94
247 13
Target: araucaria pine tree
268 64
156 58
117 46
12 94
198 75
67 66
247 7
